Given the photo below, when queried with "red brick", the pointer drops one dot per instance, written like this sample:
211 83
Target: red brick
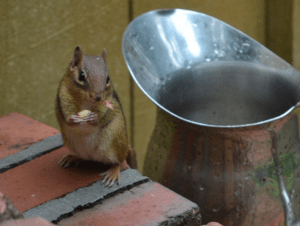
42 179
17 131
29 222
147 204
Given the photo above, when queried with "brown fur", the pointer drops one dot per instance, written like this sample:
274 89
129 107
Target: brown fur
104 140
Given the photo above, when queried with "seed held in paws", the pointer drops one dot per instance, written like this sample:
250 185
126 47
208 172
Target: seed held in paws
84 113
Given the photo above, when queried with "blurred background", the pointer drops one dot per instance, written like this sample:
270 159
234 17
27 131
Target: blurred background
38 38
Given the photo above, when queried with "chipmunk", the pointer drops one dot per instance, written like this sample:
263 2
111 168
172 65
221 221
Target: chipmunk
99 133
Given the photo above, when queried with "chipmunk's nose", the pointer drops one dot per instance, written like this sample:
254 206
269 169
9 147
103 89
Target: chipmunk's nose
98 97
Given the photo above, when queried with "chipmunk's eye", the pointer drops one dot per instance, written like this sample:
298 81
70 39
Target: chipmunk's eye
107 79
81 76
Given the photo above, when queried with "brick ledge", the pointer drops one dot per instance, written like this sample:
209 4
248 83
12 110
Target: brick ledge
84 198
31 152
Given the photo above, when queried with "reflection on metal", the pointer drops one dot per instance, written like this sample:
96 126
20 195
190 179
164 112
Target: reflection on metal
217 91
290 217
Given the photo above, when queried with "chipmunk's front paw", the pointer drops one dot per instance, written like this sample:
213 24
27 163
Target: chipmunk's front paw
75 119
111 175
69 160
92 117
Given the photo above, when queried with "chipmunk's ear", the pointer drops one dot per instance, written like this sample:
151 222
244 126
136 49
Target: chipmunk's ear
104 54
77 57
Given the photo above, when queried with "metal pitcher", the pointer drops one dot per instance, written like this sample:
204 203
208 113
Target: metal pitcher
218 93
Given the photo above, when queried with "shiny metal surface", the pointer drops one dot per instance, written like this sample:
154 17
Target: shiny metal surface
290 217
205 72
217 91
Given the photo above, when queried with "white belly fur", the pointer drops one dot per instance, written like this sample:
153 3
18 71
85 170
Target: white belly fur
85 141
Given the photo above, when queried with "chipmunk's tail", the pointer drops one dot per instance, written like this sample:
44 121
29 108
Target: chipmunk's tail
131 159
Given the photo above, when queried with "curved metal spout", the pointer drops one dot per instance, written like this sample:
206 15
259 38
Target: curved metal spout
207 73
289 214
